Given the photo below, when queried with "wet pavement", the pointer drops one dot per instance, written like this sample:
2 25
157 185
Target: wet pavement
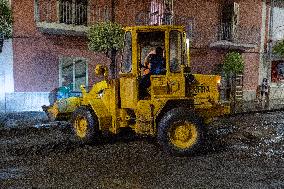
259 106
242 151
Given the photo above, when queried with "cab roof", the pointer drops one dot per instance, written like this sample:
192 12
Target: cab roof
155 28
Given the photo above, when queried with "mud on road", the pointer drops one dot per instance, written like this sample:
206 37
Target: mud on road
245 151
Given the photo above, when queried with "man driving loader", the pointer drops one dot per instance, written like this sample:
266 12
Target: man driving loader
154 65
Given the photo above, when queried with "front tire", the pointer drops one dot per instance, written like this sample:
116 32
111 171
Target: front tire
180 132
84 125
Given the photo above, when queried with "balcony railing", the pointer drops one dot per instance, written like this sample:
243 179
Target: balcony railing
226 32
235 37
238 34
73 13
61 16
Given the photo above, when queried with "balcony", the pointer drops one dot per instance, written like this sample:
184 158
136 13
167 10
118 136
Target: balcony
68 17
238 38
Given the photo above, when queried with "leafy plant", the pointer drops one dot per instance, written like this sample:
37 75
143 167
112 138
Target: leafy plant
279 48
5 19
105 36
233 63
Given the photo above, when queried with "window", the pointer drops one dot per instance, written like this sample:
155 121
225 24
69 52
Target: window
161 12
73 12
176 51
229 20
277 71
73 73
148 42
278 20
126 64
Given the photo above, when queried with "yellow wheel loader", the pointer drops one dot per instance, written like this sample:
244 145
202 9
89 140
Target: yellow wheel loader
178 104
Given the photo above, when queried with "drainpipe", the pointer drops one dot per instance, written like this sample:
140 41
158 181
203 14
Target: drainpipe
113 10
113 51
270 39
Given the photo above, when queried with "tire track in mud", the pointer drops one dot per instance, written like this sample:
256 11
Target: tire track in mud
44 141
257 135
36 141
45 149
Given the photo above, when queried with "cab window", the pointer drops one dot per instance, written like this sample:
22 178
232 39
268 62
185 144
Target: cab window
176 52
147 43
126 64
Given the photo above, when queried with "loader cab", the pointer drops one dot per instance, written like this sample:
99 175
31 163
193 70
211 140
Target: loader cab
139 41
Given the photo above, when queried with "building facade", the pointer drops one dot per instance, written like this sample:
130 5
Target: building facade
50 44
275 63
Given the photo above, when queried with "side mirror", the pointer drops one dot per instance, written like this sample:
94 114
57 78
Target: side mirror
101 70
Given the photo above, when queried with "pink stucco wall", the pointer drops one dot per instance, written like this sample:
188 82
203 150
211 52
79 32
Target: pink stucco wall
36 55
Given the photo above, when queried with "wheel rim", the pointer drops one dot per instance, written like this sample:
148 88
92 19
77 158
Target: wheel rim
81 125
183 135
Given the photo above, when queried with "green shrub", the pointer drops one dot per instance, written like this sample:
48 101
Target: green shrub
233 63
279 48
105 36
5 19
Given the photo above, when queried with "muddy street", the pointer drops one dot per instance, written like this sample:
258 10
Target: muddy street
245 151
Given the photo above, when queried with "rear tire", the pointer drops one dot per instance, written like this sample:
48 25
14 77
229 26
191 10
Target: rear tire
180 132
84 125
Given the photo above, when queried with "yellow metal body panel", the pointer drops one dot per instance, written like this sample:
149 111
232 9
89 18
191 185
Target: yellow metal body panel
63 106
172 86
95 89
102 113
99 86
128 92
67 105
146 113
205 90
216 110
112 104
144 117
53 111
105 105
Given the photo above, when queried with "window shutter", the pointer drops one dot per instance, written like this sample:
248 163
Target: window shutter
169 12
236 16
161 12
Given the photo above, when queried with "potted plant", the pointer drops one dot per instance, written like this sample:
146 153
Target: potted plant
233 65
